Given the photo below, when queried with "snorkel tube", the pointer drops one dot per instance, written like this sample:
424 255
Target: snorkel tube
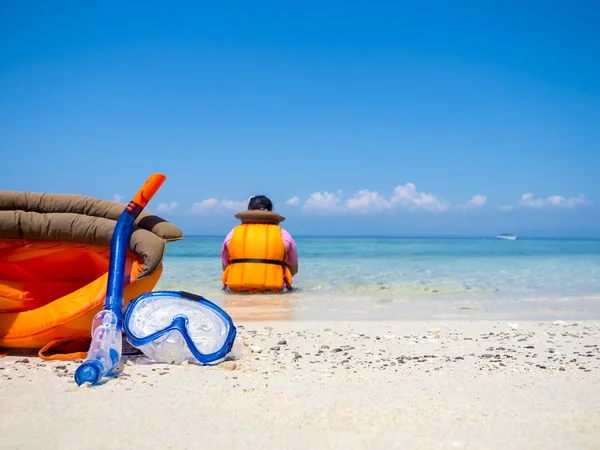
105 349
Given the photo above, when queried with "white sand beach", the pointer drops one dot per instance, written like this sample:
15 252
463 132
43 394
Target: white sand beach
409 384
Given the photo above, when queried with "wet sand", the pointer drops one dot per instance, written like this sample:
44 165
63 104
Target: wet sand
394 384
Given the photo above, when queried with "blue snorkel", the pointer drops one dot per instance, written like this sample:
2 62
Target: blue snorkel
104 353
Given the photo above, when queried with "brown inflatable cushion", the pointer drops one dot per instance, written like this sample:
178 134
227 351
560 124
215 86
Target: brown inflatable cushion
77 218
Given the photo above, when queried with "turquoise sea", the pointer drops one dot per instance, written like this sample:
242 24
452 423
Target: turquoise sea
375 278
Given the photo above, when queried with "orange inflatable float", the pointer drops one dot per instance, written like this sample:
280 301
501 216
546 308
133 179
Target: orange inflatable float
54 258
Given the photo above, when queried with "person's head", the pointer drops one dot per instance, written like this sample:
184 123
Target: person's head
260 202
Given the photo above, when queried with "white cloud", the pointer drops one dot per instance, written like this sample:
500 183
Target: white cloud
477 201
530 201
367 201
213 205
570 202
556 199
167 207
403 197
323 201
408 196
118 198
232 205
208 205
294 201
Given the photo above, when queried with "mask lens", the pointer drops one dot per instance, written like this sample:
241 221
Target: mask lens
170 348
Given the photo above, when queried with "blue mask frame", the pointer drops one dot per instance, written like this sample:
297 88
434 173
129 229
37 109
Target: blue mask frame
180 323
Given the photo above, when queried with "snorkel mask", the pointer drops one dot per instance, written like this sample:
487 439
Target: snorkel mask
174 327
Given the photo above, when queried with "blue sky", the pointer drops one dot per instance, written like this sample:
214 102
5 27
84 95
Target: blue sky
428 117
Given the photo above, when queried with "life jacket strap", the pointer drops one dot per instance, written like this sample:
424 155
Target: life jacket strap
73 348
258 260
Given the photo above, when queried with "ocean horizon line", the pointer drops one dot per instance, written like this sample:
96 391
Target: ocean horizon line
441 237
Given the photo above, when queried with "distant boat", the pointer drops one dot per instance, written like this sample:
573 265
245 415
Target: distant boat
507 236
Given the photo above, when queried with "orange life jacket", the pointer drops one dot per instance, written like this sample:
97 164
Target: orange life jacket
257 259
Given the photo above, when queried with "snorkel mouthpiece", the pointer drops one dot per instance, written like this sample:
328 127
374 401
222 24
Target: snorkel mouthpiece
89 372
105 351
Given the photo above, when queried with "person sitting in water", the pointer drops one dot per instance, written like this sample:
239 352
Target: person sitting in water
258 255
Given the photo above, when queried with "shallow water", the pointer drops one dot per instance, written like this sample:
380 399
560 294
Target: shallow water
406 278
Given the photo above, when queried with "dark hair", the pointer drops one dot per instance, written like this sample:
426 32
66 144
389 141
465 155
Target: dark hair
260 202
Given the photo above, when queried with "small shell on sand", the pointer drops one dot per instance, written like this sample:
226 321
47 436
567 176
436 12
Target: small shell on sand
228 365
255 349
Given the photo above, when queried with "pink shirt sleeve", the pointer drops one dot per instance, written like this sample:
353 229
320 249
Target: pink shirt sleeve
225 250
290 248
